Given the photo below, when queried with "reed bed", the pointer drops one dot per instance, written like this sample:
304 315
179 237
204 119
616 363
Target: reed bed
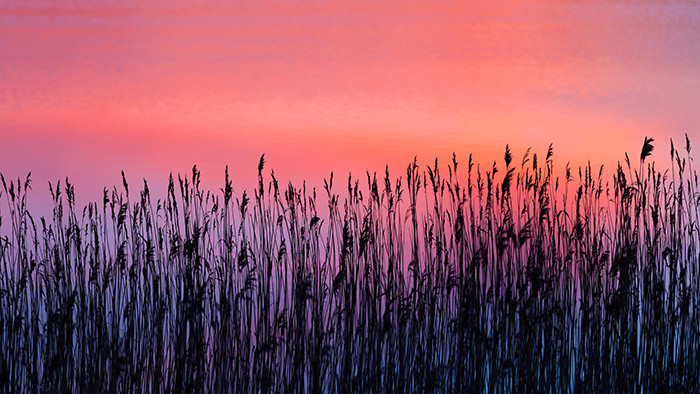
499 279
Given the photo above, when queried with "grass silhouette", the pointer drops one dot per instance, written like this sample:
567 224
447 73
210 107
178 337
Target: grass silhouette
505 279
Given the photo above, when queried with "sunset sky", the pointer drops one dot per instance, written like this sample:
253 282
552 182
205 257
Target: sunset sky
89 88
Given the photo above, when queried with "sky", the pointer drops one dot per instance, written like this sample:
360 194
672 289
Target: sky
90 88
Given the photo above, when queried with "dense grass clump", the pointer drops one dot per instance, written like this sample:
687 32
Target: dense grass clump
503 279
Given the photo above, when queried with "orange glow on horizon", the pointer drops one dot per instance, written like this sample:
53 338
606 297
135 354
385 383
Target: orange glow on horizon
154 87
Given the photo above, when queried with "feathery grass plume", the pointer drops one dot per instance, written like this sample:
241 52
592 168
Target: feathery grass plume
647 148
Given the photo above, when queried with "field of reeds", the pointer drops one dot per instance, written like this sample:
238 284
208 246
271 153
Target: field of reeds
450 279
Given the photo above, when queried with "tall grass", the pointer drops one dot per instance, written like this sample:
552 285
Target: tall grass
499 279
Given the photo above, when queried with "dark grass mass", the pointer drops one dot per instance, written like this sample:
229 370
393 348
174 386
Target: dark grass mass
505 279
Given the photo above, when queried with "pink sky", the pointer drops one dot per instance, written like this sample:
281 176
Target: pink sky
90 88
